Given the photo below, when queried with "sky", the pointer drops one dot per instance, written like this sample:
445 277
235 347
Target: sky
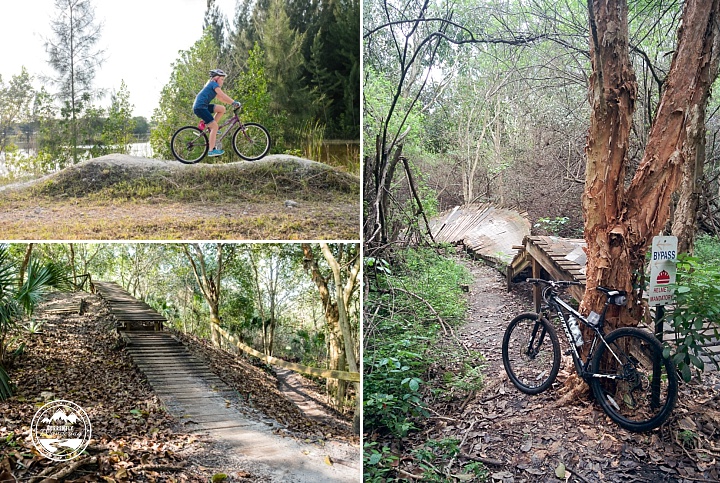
141 39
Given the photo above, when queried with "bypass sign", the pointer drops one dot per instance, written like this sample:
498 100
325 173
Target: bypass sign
662 270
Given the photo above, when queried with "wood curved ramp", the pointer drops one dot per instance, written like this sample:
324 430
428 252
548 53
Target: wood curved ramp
129 312
485 230
559 258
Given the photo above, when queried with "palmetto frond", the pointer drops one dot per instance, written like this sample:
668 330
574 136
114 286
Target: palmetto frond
40 279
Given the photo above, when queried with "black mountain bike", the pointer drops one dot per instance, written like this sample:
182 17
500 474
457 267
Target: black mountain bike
251 141
635 385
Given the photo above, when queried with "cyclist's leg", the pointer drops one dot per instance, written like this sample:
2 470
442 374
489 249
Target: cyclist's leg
207 116
219 111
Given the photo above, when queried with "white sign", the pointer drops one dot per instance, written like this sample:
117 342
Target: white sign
663 256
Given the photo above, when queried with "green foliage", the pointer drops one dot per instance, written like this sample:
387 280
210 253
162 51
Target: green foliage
552 226
15 97
378 462
282 47
697 304
251 89
400 336
189 75
707 249
434 455
117 130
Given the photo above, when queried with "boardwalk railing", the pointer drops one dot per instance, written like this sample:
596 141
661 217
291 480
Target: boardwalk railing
342 375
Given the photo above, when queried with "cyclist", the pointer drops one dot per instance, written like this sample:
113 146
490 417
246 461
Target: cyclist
211 113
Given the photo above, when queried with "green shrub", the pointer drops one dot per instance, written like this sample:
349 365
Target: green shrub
413 298
697 303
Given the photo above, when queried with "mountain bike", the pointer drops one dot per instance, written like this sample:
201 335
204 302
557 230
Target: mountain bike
633 383
251 141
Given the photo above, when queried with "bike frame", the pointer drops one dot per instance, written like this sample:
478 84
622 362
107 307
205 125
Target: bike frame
560 307
235 119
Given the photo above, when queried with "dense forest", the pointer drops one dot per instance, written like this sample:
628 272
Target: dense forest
561 110
295 66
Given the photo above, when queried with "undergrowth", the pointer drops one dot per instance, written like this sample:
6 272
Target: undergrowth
415 300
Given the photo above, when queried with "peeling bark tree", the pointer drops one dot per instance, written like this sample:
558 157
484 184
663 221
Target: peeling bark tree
619 222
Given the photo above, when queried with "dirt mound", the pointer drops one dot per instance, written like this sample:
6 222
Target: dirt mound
119 174
117 196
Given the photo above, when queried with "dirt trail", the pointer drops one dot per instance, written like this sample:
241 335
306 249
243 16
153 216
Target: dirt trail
302 393
530 436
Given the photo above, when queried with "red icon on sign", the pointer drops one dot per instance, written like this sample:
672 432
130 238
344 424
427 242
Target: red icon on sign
663 277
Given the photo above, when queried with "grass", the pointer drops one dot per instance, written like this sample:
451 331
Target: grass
254 182
230 201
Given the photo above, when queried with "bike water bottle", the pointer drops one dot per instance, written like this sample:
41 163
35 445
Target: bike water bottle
575 331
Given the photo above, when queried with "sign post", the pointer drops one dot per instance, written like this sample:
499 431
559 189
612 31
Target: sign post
663 256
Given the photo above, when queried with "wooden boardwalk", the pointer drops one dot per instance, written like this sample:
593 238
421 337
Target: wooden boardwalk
202 403
129 312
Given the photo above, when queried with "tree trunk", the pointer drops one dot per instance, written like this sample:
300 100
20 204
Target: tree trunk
620 223
209 284
24 265
336 354
684 224
613 91
342 296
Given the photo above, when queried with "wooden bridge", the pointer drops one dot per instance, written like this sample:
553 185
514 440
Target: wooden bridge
129 312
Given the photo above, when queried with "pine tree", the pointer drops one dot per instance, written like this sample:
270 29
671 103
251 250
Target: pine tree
74 58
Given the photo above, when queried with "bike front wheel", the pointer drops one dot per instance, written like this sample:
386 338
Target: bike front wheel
635 385
531 353
189 145
251 142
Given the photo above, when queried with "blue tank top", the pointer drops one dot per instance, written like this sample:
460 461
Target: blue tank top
207 94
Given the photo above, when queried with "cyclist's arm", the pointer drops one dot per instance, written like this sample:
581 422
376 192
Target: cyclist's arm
222 96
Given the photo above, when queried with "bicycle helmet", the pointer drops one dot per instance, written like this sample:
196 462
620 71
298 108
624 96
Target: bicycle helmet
216 72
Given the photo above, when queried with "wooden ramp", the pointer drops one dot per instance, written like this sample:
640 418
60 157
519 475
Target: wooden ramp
74 304
203 403
559 258
486 231
129 312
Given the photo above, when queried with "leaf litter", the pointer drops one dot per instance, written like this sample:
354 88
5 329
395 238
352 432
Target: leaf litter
523 438
80 358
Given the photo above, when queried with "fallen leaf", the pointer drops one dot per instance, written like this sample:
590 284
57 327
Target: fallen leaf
327 460
218 477
560 471
464 477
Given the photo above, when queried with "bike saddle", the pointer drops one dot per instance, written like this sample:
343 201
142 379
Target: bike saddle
610 291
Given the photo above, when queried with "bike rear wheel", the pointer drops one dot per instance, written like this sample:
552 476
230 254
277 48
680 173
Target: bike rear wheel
189 145
251 142
531 353
637 387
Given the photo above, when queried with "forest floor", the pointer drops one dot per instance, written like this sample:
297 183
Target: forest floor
523 438
80 358
123 197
